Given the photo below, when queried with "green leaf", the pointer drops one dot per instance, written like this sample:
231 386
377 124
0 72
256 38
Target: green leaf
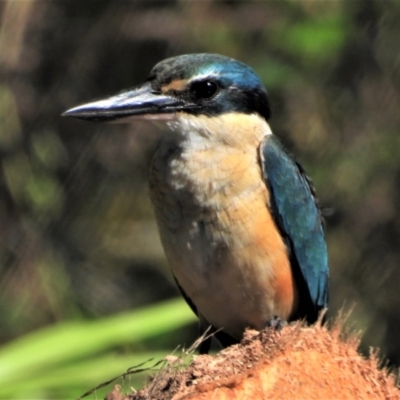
44 354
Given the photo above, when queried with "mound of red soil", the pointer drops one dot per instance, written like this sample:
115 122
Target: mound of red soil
296 363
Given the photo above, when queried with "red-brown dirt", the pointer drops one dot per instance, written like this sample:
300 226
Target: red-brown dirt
296 363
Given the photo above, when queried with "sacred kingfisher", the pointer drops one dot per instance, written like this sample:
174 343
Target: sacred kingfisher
237 215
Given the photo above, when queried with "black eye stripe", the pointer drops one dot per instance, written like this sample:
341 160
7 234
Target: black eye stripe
203 89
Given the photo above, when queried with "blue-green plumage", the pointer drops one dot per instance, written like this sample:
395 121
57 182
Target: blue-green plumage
297 216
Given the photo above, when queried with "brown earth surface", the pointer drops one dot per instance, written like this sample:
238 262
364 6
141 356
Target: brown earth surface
296 362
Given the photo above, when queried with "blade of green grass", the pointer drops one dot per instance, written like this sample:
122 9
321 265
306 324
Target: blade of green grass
83 373
70 340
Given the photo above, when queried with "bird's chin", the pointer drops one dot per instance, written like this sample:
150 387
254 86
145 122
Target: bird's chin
146 117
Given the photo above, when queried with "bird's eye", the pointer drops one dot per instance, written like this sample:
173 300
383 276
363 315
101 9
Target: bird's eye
204 89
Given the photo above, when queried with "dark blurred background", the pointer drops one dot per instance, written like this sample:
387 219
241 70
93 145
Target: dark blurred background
78 237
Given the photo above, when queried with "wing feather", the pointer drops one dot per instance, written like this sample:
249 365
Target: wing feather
297 215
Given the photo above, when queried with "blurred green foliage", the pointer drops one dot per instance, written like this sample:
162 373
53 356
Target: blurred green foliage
69 355
79 241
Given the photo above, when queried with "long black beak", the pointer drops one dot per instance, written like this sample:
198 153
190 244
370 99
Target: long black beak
140 103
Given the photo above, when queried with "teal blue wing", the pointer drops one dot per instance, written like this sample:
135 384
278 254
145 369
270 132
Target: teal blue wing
298 218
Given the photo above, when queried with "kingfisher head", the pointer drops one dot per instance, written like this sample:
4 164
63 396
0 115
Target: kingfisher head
208 85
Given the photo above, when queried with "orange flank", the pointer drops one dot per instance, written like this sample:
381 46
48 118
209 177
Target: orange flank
269 239
261 244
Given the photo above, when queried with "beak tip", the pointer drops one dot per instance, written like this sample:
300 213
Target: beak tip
65 113
81 112
71 112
